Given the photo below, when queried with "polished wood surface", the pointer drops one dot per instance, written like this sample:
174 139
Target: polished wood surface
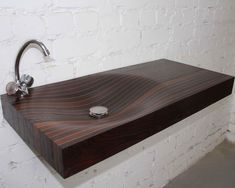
142 100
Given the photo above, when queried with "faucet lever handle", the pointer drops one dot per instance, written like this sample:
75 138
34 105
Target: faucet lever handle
24 89
26 80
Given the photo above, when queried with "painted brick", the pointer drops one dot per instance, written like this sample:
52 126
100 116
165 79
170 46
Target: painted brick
206 4
155 36
183 33
188 16
162 4
130 4
110 17
164 17
6 29
87 21
78 4
25 4
130 19
117 41
70 47
204 31
204 16
59 23
28 26
148 18
184 3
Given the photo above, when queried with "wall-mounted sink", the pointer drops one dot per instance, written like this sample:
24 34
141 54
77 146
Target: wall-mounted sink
142 100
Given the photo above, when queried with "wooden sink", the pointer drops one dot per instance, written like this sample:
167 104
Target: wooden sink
142 100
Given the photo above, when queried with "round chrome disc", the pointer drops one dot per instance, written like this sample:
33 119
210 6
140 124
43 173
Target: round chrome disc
98 112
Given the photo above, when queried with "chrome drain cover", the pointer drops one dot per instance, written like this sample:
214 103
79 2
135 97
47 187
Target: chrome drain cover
98 112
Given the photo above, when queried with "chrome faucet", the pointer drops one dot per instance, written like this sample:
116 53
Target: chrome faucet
21 84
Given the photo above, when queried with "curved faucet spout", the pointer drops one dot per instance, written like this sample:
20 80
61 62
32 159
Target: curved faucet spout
30 44
21 84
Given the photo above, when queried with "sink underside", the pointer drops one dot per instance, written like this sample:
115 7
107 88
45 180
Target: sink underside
142 100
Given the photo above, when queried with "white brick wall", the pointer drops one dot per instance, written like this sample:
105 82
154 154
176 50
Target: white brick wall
87 21
88 36
59 23
25 26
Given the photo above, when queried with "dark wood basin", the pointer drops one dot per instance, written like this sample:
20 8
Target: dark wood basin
142 100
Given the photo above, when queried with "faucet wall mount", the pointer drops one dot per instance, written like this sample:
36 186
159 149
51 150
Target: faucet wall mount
22 83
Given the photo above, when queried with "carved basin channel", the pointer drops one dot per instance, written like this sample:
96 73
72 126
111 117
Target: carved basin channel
142 100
